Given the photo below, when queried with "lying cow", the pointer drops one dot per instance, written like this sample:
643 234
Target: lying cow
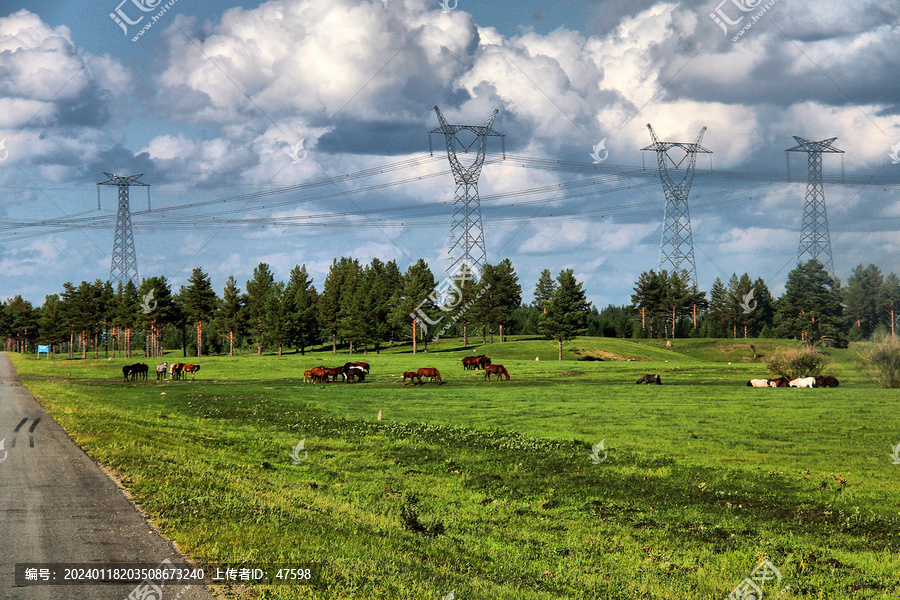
650 379
780 382
758 383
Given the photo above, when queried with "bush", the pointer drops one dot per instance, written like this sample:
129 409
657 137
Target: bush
882 358
800 362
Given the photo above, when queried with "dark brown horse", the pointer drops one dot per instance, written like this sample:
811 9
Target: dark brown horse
431 373
498 370
353 373
175 370
650 379
826 381
361 365
412 377
475 362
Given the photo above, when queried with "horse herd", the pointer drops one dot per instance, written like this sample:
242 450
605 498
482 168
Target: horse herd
356 371
350 372
177 371
800 382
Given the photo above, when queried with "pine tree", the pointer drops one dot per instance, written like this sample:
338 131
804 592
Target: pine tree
231 311
334 297
199 302
412 299
258 290
566 311
302 314
889 301
861 298
810 307
504 294
544 289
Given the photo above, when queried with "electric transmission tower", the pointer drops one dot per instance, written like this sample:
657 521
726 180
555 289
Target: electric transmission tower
123 267
677 245
815 239
466 232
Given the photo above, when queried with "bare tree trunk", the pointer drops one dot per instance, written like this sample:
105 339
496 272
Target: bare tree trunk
231 343
559 346
199 338
414 336
465 334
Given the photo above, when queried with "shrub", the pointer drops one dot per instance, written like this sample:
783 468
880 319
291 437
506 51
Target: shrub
800 362
882 358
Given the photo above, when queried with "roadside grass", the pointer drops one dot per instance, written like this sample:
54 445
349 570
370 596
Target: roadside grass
488 489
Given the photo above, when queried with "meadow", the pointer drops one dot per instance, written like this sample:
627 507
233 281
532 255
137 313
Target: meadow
488 489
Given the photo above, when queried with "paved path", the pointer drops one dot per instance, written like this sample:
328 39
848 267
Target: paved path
57 506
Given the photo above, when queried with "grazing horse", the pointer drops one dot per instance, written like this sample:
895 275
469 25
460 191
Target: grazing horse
780 382
307 376
192 369
355 373
826 381
161 371
498 370
361 365
650 379
804 382
175 370
126 371
431 373
138 371
758 383
471 363
412 377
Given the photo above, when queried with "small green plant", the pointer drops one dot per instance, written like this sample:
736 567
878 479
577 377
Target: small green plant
800 362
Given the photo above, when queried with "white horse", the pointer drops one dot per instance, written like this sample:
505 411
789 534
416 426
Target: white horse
804 382
161 371
758 383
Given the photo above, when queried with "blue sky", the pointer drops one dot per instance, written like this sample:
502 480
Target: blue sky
209 101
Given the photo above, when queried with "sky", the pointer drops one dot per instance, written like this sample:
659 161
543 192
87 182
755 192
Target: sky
295 132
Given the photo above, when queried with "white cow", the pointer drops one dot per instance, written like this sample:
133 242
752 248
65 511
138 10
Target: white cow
804 382
758 383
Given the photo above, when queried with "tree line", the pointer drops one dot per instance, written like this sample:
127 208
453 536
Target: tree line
365 307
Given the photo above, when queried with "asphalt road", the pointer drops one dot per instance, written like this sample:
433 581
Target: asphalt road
57 506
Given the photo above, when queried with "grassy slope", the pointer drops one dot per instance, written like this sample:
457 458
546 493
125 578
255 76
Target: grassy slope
703 474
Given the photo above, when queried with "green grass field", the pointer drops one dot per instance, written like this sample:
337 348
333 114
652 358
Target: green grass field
487 489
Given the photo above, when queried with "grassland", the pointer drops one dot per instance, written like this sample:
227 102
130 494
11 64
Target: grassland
488 489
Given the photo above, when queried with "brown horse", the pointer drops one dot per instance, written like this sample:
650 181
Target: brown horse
307 376
192 369
361 365
175 370
412 377
780 382
826 381
475 362
431 373
354 373
498 370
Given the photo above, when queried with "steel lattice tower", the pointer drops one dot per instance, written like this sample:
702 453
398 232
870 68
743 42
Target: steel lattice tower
815 239
677 244
466 232
123 267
